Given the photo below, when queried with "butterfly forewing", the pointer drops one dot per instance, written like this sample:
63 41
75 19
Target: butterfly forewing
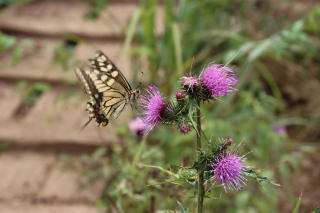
109 73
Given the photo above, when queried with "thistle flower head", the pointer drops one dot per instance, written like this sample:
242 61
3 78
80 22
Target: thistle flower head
189 82
137 126
229 171
153 105
184 129
218 80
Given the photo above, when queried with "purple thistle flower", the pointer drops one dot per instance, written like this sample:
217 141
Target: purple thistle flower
184 129
218 80
228 171
137 126
280 129
153 106
189 82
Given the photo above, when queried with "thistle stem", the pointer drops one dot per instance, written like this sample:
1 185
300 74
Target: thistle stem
137 156
201 174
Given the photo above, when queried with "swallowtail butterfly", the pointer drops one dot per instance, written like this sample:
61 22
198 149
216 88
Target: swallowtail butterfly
108 90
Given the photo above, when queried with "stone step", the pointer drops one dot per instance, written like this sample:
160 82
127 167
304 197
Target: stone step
23 207
34 176
38 63
53 121
59 18
49 120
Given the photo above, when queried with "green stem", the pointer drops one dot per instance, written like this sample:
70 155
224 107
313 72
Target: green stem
137 156
201 174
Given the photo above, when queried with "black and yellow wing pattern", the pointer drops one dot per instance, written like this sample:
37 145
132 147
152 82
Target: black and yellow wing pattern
108 89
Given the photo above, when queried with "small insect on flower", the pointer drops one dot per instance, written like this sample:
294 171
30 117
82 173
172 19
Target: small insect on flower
184 129
229 171
137 126
218 80
153 107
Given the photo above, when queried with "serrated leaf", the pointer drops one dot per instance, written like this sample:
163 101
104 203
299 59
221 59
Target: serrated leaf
254 174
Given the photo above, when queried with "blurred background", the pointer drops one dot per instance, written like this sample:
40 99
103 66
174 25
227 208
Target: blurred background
48 165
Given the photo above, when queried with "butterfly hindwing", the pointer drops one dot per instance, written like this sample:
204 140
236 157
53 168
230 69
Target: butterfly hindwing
87 82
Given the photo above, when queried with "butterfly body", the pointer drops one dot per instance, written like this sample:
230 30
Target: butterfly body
109 91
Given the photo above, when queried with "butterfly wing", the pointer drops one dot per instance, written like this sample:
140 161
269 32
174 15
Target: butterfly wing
86 81
108 89
102 64
112 83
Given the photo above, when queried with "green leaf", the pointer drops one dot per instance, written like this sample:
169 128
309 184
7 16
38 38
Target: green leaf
131 30
260 49
99 153
16 55
182 208
296 209
34 92
6 42
317 210
163 170
254 174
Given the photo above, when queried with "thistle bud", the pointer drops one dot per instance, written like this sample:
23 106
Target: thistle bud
184 129
179 96
228 141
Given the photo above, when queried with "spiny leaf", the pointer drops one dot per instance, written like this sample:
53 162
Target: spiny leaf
254 174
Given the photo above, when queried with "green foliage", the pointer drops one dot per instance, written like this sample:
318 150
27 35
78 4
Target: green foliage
95 9
200 32
214 30
64 56
182 208
10 43
317 210
260 179
4 146
296 209
6 42
31 93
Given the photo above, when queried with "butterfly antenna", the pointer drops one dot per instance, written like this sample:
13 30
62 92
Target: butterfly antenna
85 125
